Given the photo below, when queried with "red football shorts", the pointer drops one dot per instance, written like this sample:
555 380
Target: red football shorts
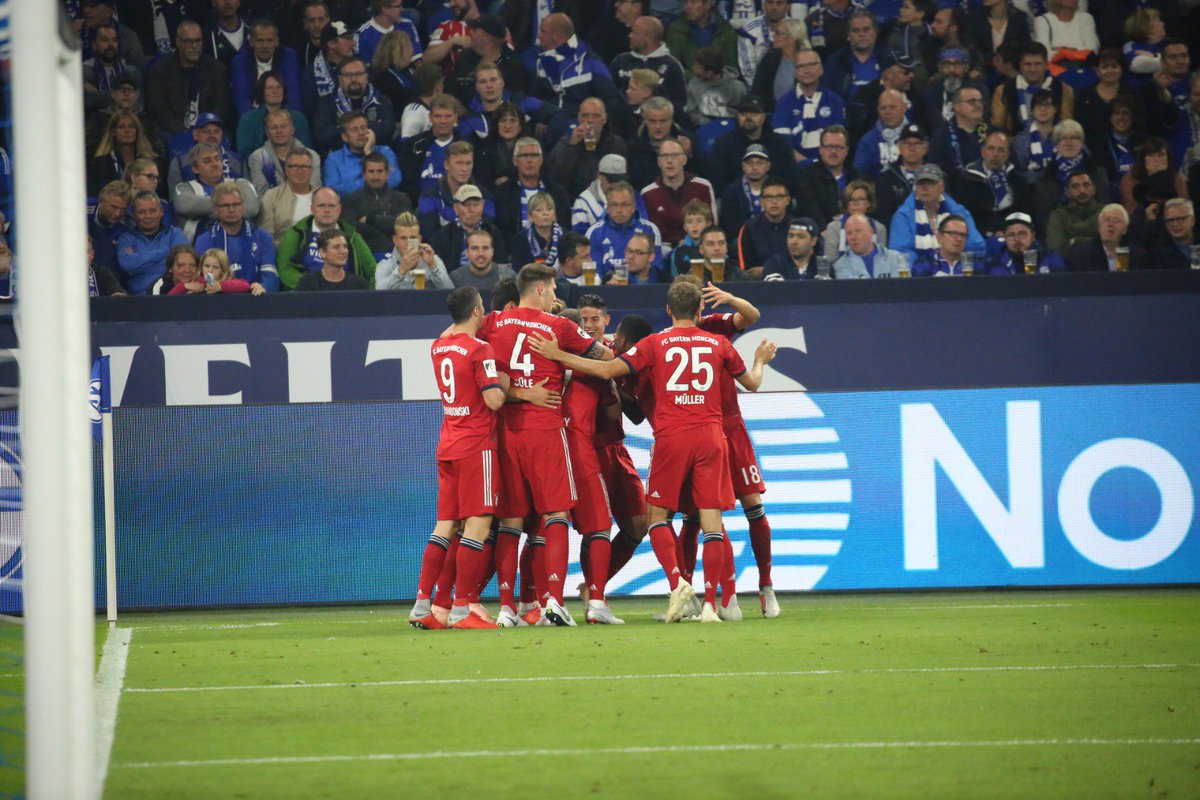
625 489
535 473
690 466
467 486
592 513
743 466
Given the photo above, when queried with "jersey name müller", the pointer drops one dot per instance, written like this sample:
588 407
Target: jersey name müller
464 367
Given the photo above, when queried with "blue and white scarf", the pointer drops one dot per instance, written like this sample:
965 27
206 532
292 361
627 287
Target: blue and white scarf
526 194
925 241
1122 155
1039 154
816 22
1063 167
241 248
1001 191
342 103
1025 92
105 75
752 197
324 76
548 254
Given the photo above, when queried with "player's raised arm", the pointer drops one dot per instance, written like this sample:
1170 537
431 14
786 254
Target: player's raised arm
744 312
606 369
751 379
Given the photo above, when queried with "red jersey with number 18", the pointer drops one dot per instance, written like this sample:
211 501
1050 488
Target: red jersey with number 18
464 367
509 332
722 324
685 366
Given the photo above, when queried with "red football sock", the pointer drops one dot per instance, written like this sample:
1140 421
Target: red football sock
662 539
489 568
599 552
623 548
760 542
445 582
557 556
431 566
714 564
528 594
729 580
689 533
470 565
506 564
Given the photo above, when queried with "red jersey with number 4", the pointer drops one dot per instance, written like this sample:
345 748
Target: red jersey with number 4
464 367
509 333
722 324
685 366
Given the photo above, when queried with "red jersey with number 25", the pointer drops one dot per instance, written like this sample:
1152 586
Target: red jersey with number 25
509 333
464 367
685 366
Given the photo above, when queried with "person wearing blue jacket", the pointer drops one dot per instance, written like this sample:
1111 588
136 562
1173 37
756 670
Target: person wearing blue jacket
914 223
801 114
1018 240
343 168
264 51
142 252
609 236
567 73
250 249
879 147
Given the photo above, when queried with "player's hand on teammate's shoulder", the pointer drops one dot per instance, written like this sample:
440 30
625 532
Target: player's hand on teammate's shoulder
765 351
546 347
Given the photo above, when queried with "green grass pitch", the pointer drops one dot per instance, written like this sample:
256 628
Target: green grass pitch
1006 695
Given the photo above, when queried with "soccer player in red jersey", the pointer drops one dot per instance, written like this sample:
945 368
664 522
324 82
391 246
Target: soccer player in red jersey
535 463
690 454
472 391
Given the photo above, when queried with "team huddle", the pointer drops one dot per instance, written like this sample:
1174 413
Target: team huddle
532 437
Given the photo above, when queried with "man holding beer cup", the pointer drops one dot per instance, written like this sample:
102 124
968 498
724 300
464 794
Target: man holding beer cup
412 264
1022 252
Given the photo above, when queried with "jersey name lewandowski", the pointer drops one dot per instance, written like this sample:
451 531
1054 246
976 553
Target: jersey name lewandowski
464 368
684 367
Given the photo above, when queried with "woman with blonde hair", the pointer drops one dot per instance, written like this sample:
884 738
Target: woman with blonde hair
391 69
123 142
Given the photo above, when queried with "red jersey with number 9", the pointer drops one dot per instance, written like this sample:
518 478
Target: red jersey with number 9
509 333
464 367
685 367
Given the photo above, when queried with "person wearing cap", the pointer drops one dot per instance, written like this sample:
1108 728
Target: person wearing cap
187 83
354 93
958 142
608 237
864 258
821 183
948 258
592 203
489 43
450 242
674 188
752 129
263 54
193 198
991 187
880 146
320 78
1100 254
1019 237
912 229
801 114
567 73
436 203
1077 219
479 267
742 199
755 38
574 159
299 254
209 129
858 63
938 96
105 67
700 26
512 197
1012 100
800 260
124 95
895 183
765 234
344 168
647 51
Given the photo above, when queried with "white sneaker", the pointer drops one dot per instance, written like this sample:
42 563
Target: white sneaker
507 618
770 606
598 613
557 614
731 612
709 614
679 601
694 607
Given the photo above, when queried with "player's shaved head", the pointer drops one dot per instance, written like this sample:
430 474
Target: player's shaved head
532 275
683 300
462 302
505 292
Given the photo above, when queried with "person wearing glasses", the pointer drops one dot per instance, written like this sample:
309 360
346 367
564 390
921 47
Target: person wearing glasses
290 201
822 182
803 113
958 142
193 199
765 233
1178 252
186 84
948 259
672 190
265 166
608 237
354 93
250 249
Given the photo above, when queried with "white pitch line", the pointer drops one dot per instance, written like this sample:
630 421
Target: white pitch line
110 679
658 749
655 676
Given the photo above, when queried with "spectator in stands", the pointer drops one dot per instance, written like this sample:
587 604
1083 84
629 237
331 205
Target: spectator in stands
344 168
765 234
219 277
540 239
414 119
573 251
1018 240
266 164
647 51
880 146
858 198
658 114
270 97
314 19
1100 254
957 143
1000 25
142 251
264 54
700 26
1068 34
108 222
776 72
858 63
321 78
435 207
122 144
1076 219
183 272
448 37
491 93
590 205
822 181
939 96
754 36
674 188
291 201
611 35
714 89
803 113
697 215
829 25
751 129
423 157
800 260
626 118
207 129
409 253
576 158
990 188
1012 101
1151 158
1093 104
909 36
101 71
354 93
912 229
512 197
1179 217
494 154
250 249
449 241
1033 148
895 183
1113 144
100 13
488 43
480 270
862 112
946 31
193 198
567 72
124 95
386 16
863 257
227 31
145 175
639 262
392 71
374 207
1069 157
336 271
742 199
948 259
608 237
299 252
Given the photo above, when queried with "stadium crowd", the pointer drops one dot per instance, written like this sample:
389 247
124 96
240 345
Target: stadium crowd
355 144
